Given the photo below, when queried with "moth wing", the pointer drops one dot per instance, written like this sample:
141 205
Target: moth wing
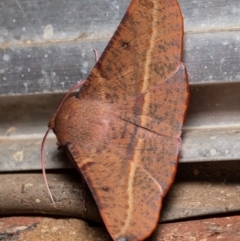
145 50
128 184
162 109
130 175
139 71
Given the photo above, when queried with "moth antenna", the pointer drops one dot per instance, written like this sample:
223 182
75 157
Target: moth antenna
96 54
80 83
43 166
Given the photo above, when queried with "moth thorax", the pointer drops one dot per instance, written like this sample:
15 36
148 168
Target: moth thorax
81 120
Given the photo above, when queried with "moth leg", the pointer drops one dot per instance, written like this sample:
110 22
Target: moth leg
84 190
96 55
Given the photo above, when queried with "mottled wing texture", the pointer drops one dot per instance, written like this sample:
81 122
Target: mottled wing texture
130 174
126 184
160 110
145 50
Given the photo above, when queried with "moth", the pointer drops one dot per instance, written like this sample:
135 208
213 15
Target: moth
123 128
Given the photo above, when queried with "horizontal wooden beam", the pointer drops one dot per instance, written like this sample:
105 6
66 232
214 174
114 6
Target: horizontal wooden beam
210 133
47 47
200 189
45 228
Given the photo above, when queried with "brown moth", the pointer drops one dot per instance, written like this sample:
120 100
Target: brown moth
123 127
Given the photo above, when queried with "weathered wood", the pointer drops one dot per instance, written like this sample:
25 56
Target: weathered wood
26 20
47 46
200 189
209 16
210 131
26 194
55 68
212 57
213 229
51 229
41 228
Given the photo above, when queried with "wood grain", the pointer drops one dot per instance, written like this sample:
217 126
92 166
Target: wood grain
34 64
188 198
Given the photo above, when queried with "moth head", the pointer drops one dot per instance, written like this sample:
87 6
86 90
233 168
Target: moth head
63 122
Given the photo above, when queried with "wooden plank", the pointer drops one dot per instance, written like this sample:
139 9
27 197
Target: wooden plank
27 21
52 229
209 16
23 154
44 228
43 21
211 130
200 189
47 47
48 69
212 229
212 57
209 58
